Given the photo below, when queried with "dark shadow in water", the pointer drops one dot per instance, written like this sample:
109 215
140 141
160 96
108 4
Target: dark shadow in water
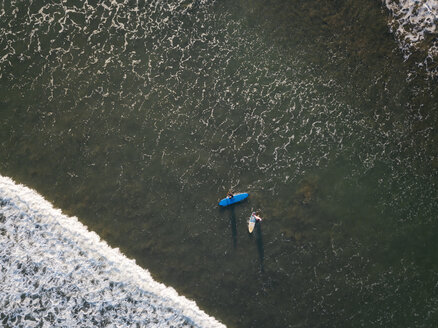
260 248
233 225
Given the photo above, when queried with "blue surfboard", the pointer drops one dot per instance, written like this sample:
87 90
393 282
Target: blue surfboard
237 198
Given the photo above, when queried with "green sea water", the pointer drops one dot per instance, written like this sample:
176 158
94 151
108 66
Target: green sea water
137 117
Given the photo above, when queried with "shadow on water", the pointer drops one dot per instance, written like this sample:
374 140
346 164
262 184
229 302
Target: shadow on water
233 225
233 221
260 248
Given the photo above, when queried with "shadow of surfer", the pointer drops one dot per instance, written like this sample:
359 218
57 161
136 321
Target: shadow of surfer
233 225
260 247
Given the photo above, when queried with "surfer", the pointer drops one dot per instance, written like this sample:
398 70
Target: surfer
253 219
255 215
233 198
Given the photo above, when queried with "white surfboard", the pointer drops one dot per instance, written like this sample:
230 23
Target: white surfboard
251 223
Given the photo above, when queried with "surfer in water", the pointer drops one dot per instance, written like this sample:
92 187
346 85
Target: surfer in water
256 216
230 194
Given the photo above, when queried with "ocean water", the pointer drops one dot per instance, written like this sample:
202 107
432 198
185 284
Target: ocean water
136 117
56 273
414 23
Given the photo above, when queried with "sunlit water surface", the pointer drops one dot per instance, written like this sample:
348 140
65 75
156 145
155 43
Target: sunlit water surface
138 117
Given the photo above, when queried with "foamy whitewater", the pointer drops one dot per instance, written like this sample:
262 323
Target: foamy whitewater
55 272
411 22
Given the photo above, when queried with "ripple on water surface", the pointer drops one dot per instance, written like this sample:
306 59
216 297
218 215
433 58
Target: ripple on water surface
125 113
55 272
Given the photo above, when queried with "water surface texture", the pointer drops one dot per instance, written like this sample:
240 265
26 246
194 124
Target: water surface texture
55 273
138 116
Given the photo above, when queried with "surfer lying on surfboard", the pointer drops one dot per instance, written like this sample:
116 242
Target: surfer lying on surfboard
252 221
255 214
233 198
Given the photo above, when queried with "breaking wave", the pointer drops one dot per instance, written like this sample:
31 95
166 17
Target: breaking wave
55 272
414 23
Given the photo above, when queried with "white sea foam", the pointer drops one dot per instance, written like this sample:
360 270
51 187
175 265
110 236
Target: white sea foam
411 22
55 272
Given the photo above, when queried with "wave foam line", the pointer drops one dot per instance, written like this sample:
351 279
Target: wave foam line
55 272
412 21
